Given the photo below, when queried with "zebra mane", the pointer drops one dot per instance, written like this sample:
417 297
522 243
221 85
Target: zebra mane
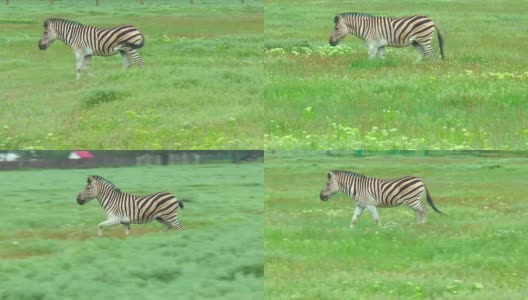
57 20
353 14
342 172
106 182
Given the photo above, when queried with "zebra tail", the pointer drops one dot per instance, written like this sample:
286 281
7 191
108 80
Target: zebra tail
181 200
430 201
440 42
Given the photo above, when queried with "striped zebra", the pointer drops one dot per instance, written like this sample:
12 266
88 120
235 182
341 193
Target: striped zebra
371 192
88 40
379 32
123 208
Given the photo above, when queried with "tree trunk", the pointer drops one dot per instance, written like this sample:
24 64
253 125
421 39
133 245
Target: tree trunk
141 2
191 1
7 2
96 2
51 2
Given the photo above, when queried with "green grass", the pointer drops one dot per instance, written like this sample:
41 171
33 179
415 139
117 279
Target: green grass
201 87
49 247
477 251
319 97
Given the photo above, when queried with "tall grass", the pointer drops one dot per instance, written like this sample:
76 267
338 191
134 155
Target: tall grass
477 251
319 97
49 247
201 87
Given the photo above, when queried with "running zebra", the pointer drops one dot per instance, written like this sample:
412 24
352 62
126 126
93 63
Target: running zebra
379 32
88 40
123 208
371 192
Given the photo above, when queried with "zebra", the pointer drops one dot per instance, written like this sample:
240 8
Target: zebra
123 208
379 32
371 192
89 40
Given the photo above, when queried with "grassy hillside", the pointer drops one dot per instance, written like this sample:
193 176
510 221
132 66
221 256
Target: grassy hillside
49 247
319 97
477 251
201 87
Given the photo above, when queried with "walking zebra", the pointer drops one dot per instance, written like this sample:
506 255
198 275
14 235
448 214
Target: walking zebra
123 208
371 192
88 40
379 32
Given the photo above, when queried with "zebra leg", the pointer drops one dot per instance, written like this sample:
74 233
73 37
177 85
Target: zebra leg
381 52
127 228
373 49
79 57
374 213
429 51
124 58
357 214
134 54
421 214
420 50
171 223
87 61
107 223
125 221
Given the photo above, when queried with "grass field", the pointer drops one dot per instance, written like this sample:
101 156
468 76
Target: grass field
477 251
319 97
49 247
201 87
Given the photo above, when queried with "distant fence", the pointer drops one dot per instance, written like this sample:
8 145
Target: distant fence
431 153
114 159
69 163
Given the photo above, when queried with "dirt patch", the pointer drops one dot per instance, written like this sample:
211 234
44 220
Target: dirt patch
23 254
77 235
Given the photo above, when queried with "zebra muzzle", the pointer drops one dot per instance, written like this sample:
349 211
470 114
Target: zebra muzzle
323 197
79 201
42 46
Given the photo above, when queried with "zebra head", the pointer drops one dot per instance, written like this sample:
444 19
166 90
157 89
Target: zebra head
89 192
340 30
49 35
330 188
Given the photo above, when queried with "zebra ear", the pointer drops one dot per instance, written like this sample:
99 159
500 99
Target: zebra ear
337 19
89 179
330 175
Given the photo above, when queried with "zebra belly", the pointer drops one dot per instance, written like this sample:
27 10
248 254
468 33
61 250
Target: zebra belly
99 53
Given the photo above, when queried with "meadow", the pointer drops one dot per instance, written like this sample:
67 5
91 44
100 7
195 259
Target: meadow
49 248
323 97
201 86
476 251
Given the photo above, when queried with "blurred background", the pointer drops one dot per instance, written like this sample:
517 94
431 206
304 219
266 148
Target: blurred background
73 159
49 248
